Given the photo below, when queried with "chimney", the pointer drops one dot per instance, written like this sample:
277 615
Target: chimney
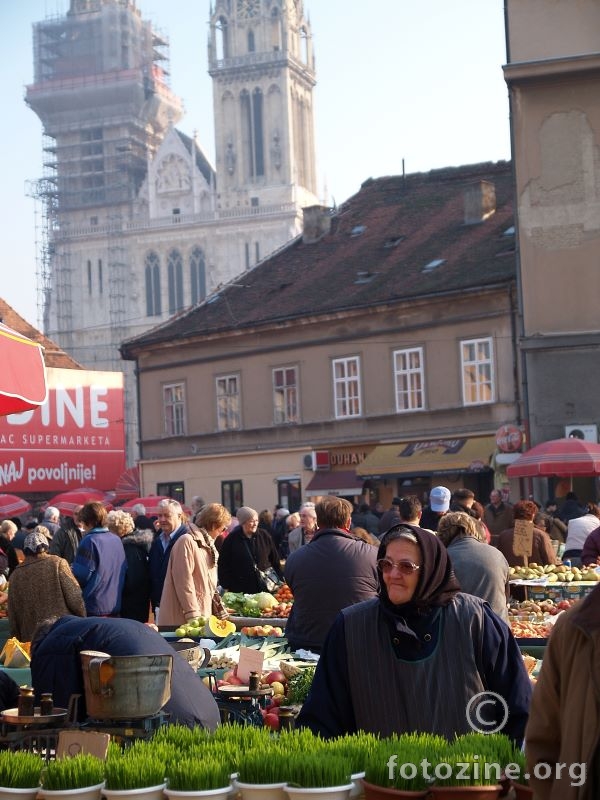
317 223
480 202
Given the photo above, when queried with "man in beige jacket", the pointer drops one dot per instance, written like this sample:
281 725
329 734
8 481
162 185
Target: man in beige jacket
563 732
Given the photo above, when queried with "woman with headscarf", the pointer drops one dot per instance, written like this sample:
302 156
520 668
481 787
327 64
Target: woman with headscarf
419 656
41 586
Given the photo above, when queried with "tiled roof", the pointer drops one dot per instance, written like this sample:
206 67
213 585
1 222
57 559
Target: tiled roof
53 355
380 241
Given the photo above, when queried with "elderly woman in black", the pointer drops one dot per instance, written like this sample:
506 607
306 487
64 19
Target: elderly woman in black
414 658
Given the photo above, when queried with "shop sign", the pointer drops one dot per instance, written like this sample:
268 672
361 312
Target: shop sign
346 459
509 439
77 438
444 446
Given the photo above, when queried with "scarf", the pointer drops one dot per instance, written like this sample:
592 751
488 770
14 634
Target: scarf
437 582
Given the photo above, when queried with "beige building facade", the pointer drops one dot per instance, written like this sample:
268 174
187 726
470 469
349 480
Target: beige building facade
553 74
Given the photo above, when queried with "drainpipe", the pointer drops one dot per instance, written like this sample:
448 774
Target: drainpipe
519 328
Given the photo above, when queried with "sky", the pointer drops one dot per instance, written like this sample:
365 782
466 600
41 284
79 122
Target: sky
416 86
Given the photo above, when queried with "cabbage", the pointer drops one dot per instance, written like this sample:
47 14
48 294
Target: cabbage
264 600
250 609
232 598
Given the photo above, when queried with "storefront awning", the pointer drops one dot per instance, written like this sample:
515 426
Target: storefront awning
429 457
336 483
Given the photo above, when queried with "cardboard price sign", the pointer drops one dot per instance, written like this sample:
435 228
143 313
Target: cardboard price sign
250 661
523 537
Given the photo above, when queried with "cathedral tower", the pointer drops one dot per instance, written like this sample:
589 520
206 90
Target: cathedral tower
262 65
138 225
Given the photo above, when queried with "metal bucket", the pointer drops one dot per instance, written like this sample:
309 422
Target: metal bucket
125 687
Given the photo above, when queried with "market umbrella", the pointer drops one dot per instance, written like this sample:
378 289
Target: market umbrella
562 457
23 374
12 506
67 502
150 503
128 484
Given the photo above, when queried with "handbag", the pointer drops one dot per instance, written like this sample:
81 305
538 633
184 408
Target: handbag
269 578
218 606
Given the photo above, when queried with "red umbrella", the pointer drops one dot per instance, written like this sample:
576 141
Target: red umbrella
23 373
66 502
150 503
128 484
561 457
12 506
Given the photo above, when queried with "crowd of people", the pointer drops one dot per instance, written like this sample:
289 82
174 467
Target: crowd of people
422 589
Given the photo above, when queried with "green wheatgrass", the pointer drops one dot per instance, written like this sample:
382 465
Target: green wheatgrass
199 774
317 770
378 772
356 747
266 763
183 738
517 757
20 769
137 767
467 769
75 772
300 740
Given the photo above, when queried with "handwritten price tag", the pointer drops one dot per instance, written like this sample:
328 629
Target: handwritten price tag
523 537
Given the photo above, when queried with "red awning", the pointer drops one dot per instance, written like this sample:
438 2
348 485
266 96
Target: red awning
23 373
561 457
336 483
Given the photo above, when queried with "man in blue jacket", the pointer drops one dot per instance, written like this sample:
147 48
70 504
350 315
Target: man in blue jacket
56 664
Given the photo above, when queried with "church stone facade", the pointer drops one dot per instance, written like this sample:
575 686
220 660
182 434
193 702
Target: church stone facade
138 224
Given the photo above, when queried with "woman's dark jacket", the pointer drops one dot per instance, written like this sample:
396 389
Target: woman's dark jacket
238 557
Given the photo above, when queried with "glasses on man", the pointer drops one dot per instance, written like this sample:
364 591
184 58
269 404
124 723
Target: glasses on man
404 566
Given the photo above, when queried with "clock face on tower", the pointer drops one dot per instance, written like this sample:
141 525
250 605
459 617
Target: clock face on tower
248 8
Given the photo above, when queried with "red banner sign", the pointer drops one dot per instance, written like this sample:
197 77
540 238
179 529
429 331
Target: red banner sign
77 438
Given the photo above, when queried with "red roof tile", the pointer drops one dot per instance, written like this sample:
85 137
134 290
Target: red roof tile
360 263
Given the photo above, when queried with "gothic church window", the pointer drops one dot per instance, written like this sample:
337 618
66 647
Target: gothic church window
175 281
276 34
251 43
152 276
222 39
252 126
197 275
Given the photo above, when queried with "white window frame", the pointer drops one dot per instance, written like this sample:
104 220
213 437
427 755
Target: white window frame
347 396
227 390
174 409
409 379
286 396
477 371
